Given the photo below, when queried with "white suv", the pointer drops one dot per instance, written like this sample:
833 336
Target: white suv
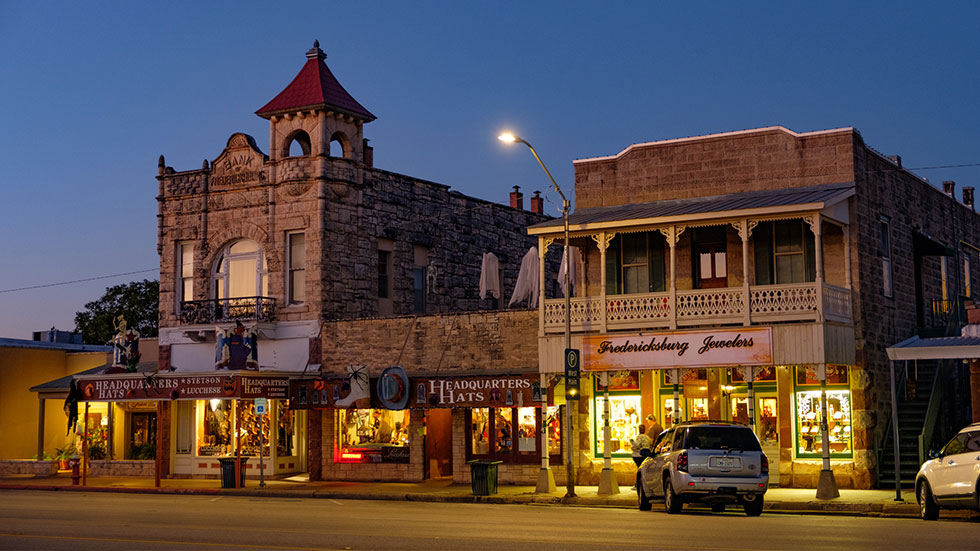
716 463
952 479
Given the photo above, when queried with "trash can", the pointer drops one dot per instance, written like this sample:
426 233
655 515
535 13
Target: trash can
228 472
483 474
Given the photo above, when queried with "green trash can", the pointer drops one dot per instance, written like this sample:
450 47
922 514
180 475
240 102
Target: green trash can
228 472
483 474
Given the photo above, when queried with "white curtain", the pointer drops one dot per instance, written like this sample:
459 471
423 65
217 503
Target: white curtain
573 271
490 276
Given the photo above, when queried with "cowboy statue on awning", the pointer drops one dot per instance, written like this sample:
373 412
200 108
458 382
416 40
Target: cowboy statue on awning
125 347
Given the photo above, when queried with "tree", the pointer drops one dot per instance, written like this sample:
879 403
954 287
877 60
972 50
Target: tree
137 301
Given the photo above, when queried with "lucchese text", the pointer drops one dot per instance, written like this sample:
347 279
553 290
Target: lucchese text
665 344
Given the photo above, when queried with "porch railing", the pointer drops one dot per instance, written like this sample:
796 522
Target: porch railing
194 312
767 303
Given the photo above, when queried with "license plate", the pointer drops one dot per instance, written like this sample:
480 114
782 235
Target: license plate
722 462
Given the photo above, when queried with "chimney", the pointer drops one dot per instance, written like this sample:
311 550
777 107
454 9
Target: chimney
968 196
949 188
897 159
537 203
368 154
517 198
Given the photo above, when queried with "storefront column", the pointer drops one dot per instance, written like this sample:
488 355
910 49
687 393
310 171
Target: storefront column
677 411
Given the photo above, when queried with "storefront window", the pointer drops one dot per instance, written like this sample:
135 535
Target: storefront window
372 436
214 436
511 434
740 409
624 420
142 436
768 425
251 435
808 414
285 430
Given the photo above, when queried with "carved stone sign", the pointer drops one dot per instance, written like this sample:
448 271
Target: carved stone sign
241 163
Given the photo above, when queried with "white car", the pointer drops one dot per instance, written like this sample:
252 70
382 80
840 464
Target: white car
952 479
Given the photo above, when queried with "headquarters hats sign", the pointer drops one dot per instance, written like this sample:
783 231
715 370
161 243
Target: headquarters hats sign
712 348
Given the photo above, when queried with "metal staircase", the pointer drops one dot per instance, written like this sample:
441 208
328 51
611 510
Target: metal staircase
917 418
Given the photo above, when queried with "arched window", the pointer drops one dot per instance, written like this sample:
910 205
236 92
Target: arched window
340 146
241 271
298 145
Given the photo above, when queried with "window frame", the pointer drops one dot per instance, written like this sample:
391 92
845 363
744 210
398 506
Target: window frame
184 273
885 253
221 271
384 276
513 456
292 271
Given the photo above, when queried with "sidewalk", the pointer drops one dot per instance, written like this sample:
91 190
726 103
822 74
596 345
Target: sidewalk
778 500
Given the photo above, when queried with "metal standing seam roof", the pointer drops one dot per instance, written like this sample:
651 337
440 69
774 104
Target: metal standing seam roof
827 194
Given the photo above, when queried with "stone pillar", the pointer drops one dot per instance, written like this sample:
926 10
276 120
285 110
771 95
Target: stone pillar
314 444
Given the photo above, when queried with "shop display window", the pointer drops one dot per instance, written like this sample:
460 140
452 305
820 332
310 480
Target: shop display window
699 409
667 416
372 436
252 437
142 442
285 430
215 432
511 434
808 375
808 414
624 420
740 409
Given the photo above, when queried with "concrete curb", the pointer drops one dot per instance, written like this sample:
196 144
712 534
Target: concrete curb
896 510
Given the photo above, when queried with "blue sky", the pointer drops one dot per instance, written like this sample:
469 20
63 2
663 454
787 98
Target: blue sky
94 92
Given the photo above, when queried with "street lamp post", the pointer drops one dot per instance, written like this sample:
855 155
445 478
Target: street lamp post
570 399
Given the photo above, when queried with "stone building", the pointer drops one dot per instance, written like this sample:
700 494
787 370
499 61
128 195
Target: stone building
804 254
321 262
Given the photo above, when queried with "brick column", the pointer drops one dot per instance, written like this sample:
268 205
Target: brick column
314 443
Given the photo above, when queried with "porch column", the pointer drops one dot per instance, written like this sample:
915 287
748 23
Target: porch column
846 229
745 231
814 221
672 234
40 428
602 240
543 245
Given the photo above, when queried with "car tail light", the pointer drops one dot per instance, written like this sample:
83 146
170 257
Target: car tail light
682 462
765 464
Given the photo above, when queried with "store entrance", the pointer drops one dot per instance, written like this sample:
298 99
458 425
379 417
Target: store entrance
438 443
766 424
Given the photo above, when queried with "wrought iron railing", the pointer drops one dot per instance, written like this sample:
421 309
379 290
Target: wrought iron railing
194 312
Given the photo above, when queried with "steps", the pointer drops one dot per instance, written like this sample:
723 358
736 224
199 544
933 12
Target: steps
911 416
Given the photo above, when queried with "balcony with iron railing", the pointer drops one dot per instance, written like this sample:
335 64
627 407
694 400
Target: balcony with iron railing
196 312
797 302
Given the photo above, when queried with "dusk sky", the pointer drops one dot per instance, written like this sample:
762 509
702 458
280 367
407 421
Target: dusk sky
94 92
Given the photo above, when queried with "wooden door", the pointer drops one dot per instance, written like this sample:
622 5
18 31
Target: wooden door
438 443
711 263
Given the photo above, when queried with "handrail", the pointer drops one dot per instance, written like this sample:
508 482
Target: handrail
932 413
880 443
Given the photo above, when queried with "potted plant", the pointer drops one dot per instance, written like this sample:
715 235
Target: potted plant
63 455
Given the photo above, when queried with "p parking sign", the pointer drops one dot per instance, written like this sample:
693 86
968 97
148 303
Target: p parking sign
260 406
573 366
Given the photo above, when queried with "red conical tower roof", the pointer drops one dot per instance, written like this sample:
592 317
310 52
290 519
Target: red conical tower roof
315 87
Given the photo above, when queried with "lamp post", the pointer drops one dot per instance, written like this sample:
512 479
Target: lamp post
570 397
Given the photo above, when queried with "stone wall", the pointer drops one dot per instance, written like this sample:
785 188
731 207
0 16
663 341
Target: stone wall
101 467
10 467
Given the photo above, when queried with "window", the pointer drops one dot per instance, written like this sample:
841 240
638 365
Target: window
297 268
241 271
966 275
418 279
185 272
215 433
635 263
809 440
885 252
185 427
784 252
372 436
625 414
384 268
511 434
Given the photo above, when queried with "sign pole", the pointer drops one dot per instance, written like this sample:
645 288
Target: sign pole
260 408
826 484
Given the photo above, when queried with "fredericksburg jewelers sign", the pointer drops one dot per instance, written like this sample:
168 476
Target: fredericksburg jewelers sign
714 348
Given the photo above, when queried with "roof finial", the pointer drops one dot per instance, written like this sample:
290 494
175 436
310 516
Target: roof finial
315 52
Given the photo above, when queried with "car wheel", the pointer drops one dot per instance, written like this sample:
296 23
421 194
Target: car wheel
643 502
717 507
753 508
672 502
928 509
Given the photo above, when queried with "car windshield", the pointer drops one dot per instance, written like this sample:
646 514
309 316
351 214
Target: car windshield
722 438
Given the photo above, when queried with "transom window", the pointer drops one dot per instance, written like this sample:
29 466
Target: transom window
241 271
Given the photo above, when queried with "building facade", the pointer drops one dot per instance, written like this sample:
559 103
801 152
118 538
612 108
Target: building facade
295 259
725 276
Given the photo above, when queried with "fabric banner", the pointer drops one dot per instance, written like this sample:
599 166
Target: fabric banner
711 348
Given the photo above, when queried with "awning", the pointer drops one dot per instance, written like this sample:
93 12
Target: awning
925 245
938 348
123 387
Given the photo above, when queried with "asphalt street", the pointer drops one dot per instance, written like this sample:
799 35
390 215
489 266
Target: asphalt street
112 521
